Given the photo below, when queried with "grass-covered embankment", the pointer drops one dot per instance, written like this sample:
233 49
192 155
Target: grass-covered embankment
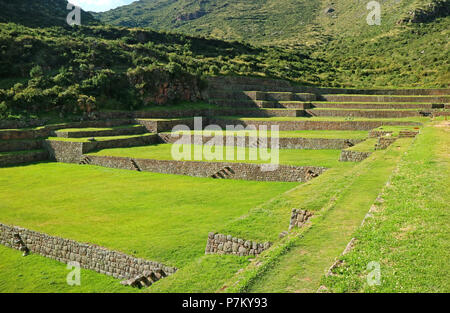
408 234
339 198
296 157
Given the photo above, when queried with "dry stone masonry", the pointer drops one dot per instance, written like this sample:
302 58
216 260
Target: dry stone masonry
299 218
353 156
227 244
244 171
92 257
384 142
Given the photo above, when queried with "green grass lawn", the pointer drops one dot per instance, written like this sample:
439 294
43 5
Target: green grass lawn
365 146
408 234
35 273
93 129
86 139
164 218
325 158
328 134
339 198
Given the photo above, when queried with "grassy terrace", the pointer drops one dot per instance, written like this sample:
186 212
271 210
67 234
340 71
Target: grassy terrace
396 129
417 119
97 129
327 134
340 198
42 275
408 234
368 103
365 146
326 158
160 217
86 139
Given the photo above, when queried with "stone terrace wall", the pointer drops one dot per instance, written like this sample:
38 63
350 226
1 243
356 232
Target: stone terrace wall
382 98
284 143
223 244
72 152
384 142
267 84
244 171
20 145
251 111
312 125
28 157
64 151
13 124
158 126
102 133
353 156
48 130
361 113
99 259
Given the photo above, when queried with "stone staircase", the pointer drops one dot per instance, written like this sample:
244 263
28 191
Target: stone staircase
85 160
267 95
135 166
225 173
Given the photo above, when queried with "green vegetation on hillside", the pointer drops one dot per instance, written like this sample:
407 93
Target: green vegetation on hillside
39 13
409 48
83 69
244 20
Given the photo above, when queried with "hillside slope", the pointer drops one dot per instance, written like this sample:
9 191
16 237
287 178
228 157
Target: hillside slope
269 21
249 20
39 13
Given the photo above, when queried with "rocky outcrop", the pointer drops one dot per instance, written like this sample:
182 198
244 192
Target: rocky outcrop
159 86
189 16
428 13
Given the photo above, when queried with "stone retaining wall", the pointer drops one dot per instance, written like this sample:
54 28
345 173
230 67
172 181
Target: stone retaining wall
49 130
312 125
267 84
243 171
379 133
284 143
353 156
362 113
227 244
99 259
384 142
377 106
13 124
407 134
299 218
72 152
102 133
20 145
19 158
251 111
158 126
383 98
